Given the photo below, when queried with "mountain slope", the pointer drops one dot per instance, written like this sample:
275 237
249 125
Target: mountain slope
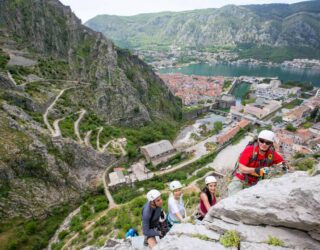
274 25
54 75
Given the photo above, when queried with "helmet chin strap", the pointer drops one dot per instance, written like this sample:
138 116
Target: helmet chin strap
264 151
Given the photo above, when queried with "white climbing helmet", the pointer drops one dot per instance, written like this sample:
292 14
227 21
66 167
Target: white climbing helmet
175 185
153 194
267 135
210 179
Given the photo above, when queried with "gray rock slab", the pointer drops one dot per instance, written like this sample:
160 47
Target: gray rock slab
260 246
137 243
259 234
174 242
114 244
316 170
33 78
21 61
190 229
292 200
314 235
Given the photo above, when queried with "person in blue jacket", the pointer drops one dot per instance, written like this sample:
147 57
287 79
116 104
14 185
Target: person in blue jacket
151 213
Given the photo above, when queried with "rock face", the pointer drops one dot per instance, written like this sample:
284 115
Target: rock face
123 90
286 208
38 173
297 202
45 51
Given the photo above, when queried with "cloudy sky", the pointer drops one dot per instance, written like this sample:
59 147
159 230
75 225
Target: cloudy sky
85 9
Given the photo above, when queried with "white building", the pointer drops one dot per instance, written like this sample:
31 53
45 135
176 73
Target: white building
116 178
158 152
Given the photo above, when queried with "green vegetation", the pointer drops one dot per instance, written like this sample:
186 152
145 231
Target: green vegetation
305 96
226 84
307 125
125 194
230 238
303 85
137 137
277 54
241 134
67 126
198 175
65 154
53 68
205 132
26 163
33 234
4 59
241 90
274 241
226 110
298 155
84 48
277 119
182 59
291 128
305 164
115 222
217 126
247 101
210 146
201 237
315 115
186 109
292 104
19 72
157 97
267 127
176 159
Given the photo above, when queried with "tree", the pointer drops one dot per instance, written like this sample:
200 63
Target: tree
217 126
277 119
291 128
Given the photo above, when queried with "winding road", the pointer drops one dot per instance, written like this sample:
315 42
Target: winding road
87 138
82 112
45 115
57 130
98 140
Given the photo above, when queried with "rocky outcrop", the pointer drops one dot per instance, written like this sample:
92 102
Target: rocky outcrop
123 89
296 202
286 208
39 173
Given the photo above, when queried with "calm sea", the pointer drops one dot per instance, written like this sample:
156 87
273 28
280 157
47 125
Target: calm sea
225 69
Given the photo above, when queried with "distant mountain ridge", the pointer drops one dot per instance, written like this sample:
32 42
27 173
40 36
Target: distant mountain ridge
273 25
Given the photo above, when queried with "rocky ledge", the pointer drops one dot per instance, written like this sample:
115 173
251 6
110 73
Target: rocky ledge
285 209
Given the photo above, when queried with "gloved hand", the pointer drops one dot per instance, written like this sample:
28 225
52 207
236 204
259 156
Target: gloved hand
261 171
284 167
